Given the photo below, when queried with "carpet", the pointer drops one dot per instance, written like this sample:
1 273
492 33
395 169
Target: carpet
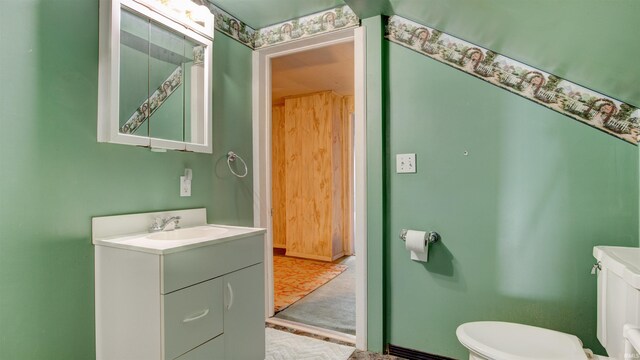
332 306
282 345
294 278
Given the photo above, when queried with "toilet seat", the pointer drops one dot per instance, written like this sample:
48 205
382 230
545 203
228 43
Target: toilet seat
508 341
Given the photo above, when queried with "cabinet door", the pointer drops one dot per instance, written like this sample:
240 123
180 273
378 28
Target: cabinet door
244 314
211 350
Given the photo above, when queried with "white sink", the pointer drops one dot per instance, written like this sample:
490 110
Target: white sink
131 232
198 232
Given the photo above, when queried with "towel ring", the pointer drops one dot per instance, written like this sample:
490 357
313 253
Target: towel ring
231 157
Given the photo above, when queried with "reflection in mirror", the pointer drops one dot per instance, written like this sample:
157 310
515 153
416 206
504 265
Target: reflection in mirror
155 74
161 76
166 103
134 74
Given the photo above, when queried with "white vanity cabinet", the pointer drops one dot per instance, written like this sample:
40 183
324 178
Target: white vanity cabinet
197 303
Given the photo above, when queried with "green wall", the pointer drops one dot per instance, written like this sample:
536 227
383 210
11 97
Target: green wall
232 202
55 176
518 216
573 39
261 13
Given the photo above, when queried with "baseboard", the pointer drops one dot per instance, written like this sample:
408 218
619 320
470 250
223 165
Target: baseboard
411 354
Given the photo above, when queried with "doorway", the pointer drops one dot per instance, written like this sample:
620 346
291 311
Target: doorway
311 192
303 62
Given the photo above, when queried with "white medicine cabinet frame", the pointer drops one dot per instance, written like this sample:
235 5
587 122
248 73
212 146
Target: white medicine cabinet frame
181 19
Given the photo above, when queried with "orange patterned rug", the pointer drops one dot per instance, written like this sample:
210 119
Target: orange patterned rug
294 278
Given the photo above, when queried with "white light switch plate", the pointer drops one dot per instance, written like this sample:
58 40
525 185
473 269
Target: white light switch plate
185 186
405 163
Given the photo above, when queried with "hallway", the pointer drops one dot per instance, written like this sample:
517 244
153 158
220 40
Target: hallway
331 306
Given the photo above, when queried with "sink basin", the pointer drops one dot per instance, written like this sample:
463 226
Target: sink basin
623 261
198 232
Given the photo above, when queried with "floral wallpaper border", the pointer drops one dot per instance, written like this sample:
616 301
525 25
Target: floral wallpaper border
338 18
148 107
318 23
592 108
233 27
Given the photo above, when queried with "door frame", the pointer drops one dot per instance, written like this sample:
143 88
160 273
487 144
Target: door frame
262 201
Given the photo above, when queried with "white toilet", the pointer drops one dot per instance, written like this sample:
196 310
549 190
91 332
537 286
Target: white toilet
618 320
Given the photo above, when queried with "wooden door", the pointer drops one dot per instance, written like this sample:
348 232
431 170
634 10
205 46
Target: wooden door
278 179
348 109
312 194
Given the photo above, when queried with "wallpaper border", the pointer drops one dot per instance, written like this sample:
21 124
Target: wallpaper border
232 26
322 22
602 112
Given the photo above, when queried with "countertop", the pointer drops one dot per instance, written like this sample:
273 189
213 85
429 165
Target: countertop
141 242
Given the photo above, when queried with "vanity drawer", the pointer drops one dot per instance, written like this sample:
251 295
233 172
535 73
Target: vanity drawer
189 267
211 350
192 316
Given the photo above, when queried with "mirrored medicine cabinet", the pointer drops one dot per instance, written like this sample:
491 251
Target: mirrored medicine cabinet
155 77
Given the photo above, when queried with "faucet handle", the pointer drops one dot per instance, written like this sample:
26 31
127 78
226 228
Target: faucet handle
156 225
170 223
177 222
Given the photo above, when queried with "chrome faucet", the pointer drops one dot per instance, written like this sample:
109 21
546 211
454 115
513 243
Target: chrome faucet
165 224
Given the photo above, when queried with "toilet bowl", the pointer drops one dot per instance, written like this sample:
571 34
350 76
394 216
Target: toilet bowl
618 281
495 340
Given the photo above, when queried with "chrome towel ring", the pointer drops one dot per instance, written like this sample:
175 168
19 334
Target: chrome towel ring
231 157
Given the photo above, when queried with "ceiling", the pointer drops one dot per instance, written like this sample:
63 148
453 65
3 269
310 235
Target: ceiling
591 42
327 68
262 13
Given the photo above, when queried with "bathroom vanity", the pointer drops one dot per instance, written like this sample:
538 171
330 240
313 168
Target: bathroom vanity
192 293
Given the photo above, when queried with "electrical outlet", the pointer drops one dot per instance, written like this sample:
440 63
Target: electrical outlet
405 163
185 186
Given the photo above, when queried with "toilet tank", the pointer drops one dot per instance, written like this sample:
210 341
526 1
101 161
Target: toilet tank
618 295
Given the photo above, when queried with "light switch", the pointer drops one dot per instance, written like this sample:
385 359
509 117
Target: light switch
405 163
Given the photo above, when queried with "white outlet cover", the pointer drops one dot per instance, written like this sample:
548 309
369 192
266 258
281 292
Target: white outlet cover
185 186
405 163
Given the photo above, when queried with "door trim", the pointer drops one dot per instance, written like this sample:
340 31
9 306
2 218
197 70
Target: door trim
261 92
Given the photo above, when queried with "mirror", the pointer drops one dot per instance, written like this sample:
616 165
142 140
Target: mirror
163 74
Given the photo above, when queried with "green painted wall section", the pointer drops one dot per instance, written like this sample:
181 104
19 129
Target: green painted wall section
590 42
261 13
55 176
232 131
375 182
518 216
370 8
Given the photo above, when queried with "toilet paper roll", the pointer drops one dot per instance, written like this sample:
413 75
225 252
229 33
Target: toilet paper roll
416 245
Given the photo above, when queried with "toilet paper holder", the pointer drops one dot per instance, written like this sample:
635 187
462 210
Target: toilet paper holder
429 238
